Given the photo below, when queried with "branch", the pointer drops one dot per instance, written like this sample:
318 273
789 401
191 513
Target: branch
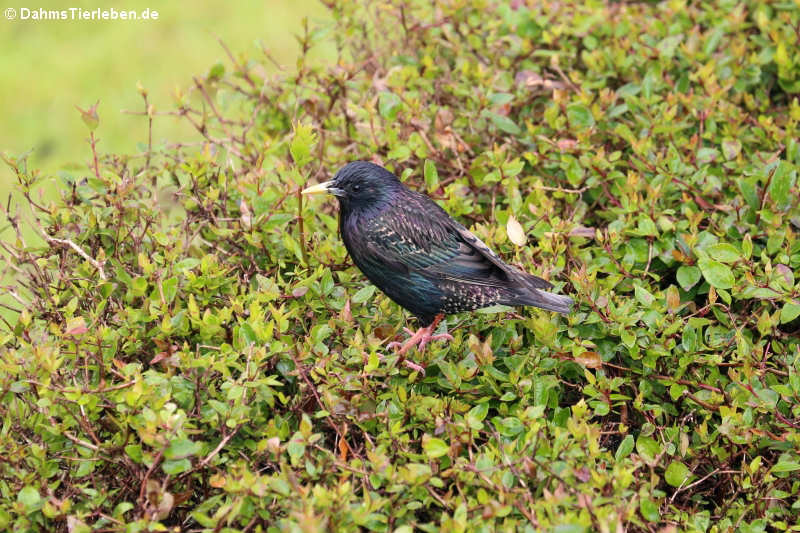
94 262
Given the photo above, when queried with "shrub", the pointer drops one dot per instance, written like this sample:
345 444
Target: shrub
194 350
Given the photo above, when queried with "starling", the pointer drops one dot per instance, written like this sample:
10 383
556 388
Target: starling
422 258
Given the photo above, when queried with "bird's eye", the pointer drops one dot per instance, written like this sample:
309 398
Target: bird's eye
356 187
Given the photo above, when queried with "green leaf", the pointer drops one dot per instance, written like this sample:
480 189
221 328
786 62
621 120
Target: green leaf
492 309
646 227
29 497
643 296
785 466
178 466
180 448
568 528
706 155
139 286
731 149
363 294
782 180
503 123
580 115
303 141
450 372
749 192
373 361
688 276
628 338
476 415
296 448
431 175
247 335
134 451
649 509
169 288
499 99
216 71
677 474
84 468
789 312
186 264
625 448
747 246
434 447
544 330
388 105
716 274
724 253
90 116
648 448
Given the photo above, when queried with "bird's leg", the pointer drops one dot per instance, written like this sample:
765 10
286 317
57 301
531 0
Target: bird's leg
420 338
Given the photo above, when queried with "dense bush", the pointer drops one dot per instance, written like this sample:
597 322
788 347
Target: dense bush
195 351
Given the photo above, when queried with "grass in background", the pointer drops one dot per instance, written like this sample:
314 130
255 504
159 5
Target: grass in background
49 67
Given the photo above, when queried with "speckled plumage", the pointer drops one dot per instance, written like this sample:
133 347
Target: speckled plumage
422 258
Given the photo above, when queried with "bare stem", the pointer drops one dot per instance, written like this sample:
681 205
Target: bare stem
93 141
94 262
301 226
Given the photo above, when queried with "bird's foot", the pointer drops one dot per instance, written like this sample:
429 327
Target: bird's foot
411 365
420 339
414 367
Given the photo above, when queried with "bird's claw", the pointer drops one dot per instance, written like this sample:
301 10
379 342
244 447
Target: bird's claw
414 366
421 342
420 339
430 338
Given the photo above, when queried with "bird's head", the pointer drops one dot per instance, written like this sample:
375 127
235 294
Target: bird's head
359 185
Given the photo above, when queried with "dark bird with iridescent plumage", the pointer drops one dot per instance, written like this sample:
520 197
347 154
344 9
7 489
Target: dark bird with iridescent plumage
422 258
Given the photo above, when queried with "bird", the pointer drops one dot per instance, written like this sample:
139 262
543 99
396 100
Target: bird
421 257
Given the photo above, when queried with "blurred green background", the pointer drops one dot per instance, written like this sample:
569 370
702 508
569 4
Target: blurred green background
49 67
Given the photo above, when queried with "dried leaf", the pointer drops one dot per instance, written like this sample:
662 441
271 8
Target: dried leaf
583 231
786 272
246 216
75 326
566 144
590 360
515 232
345 313
299 292
160 356
76 525
673 298
531 79
344 448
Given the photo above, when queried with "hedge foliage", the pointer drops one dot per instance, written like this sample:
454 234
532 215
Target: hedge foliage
195 352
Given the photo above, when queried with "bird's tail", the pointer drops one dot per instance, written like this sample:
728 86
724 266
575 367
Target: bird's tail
543 299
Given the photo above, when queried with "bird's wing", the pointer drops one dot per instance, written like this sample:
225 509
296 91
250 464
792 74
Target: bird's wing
474 243
421 237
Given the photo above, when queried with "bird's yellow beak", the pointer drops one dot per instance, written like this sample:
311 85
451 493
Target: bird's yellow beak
320 188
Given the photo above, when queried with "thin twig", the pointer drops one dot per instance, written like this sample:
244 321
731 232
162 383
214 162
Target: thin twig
95 263
219 447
